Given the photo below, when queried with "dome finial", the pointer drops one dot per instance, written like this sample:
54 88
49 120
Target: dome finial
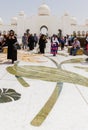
43 1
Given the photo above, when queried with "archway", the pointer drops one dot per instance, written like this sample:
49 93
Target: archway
44 30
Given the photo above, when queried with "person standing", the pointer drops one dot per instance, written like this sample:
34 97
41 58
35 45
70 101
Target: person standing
31 42
54 44
24 41
1 41
35 39
42 43
62 42
86 43
12 50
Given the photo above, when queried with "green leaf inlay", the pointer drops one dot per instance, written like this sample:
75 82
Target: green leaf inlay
22 81
53 74
41 116
48 74
8 95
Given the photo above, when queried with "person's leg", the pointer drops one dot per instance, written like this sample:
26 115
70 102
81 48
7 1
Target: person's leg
12 61
74 52
71 50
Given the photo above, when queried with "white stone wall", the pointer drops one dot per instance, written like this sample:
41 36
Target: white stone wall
21 25
66 23
6 28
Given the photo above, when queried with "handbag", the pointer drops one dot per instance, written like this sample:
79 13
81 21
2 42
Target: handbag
15 46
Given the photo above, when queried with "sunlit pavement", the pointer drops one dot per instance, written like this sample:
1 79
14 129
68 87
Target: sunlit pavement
70 112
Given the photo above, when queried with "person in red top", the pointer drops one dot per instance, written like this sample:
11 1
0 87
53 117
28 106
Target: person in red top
54 44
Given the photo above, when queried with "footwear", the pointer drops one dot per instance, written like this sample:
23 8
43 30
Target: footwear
74 55
12 61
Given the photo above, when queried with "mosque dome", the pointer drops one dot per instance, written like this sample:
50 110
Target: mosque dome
1 21
14 21
21 13
44 10
73 21
66 14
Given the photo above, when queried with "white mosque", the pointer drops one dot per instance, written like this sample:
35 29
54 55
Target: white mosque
44 22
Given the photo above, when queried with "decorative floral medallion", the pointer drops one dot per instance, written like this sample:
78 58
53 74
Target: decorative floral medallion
8 95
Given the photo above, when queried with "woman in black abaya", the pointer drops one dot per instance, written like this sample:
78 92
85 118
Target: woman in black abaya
12 50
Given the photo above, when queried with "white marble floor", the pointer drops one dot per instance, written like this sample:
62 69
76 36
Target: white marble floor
70 111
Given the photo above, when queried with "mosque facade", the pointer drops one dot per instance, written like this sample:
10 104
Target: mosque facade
44 22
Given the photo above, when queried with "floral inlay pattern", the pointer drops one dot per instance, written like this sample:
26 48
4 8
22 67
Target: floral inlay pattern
8 95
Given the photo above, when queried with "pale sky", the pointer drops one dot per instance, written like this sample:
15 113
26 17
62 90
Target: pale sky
76 8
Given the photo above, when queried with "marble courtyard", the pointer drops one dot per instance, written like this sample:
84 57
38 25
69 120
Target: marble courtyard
44 92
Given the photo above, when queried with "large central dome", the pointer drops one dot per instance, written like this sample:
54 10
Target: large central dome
44 10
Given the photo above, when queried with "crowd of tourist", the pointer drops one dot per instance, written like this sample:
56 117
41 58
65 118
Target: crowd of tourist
32 41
